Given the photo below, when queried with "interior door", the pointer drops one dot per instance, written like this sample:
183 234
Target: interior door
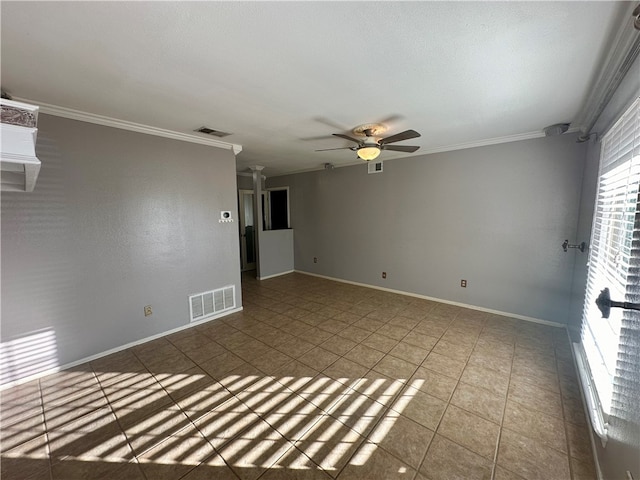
247 230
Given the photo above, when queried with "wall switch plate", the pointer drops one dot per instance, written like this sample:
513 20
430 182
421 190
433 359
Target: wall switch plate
148 311
315 259
384 274
463 283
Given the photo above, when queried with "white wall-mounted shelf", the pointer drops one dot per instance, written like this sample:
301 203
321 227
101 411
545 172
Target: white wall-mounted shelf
19 166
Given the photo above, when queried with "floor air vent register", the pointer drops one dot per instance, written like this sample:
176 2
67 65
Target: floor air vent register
207 304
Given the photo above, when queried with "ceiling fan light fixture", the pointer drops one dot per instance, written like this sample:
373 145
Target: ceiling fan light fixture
368 152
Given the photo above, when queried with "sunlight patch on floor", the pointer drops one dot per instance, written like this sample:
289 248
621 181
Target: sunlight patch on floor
253 429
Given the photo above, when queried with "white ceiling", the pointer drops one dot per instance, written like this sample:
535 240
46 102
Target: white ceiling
280 75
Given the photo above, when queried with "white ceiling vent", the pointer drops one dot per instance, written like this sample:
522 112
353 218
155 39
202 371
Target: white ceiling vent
374 167
19 165
207 304
211 131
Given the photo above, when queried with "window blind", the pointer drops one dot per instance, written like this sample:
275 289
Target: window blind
614 258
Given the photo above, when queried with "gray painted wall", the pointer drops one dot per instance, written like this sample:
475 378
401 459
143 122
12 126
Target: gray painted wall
276 252
495 216
118 220
583 234
244 182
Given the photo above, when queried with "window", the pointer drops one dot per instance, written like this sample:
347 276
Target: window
611 259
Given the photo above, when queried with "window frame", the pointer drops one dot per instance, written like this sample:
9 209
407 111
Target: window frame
616 196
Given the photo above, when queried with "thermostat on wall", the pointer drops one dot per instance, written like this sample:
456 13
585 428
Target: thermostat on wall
225 216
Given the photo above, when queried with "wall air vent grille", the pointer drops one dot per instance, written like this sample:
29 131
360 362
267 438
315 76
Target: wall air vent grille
374 167
207 304
212 132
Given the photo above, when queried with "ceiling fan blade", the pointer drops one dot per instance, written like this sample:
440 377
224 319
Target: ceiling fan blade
327 149
346 137
330 123
390 119
319 137
406 135
400 148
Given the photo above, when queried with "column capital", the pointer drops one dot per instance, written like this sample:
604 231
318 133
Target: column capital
256 168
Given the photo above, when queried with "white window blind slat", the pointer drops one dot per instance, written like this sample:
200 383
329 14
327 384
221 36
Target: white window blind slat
614 258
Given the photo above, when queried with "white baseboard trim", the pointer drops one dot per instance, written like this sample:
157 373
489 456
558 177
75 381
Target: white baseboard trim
90 358
276 275
440 300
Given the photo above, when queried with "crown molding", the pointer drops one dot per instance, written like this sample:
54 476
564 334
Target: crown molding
131 126
492 141
446 148
626 48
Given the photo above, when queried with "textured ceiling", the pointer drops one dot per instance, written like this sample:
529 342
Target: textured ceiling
283 76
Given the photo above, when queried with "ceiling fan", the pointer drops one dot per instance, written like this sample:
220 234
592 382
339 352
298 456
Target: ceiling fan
370 147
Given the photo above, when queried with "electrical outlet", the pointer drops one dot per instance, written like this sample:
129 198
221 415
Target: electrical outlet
147 311
315 259
463 283
384 274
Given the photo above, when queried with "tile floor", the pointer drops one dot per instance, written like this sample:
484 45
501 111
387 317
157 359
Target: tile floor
313 380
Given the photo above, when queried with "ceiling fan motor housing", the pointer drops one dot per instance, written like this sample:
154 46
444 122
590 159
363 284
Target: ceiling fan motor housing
369 148
370 130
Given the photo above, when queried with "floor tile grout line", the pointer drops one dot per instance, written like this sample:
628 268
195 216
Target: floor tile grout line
448 402
387 408
564 420
567 453
291 447
93 409
379 327
504 412
46 430
259 415
240 453
473 413
123 430
192 423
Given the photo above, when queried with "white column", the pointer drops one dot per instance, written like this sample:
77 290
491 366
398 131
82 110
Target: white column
257 211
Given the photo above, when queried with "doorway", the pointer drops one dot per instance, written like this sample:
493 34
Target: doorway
247 230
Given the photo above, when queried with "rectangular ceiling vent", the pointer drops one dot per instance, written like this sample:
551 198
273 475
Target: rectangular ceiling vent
375 167
207 304
212 132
